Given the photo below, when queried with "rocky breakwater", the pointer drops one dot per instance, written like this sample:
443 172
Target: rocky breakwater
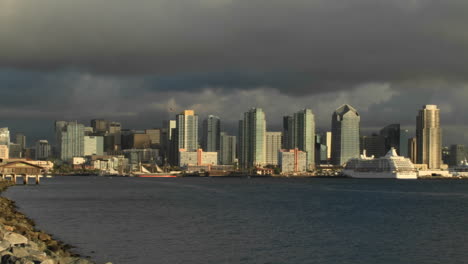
21 243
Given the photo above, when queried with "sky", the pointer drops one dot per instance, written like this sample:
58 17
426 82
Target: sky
142 61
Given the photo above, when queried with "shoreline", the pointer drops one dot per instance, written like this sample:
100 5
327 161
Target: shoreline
21 241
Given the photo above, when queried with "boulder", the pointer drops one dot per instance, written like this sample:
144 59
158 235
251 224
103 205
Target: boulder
8 259
4 245
20 252
15 239
48 261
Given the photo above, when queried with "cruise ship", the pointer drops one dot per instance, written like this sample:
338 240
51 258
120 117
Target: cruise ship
391 166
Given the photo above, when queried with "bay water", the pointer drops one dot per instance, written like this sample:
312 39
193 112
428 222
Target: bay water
257 220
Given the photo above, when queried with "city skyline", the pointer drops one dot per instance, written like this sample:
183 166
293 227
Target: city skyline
398 56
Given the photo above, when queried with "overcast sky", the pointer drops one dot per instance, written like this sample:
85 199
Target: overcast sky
133 61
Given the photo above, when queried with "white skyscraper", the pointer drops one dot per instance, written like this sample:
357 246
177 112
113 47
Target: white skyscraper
429 137
273 146
187 130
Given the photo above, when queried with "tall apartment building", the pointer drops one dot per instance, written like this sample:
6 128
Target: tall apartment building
42 150
429 137
413 150
227 153
100 126
396 137
273 146
211 136
71 140
252 147
93 145
187 130
20 139
345 134
299 132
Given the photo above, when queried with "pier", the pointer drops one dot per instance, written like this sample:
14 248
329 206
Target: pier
21 169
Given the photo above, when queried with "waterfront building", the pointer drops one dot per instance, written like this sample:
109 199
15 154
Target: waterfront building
429 137
374 145
187 130
197 158
42 150
5 136
71 140
168 146
93 145
299 132
227 153
396 137
4 152
304 135
345 134
15 151
20 139
457 155
292 161
446 155
211 136
273 146
252 147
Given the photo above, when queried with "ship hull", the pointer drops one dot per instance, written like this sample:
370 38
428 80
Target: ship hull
381 175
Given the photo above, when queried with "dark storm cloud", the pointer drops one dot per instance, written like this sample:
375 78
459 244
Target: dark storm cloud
326 44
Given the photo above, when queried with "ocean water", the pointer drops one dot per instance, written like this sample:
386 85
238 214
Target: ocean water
258 220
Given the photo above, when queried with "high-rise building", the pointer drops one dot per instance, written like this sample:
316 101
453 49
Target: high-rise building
273 146
71 141
154 135
5 136
374 145
15 151
288 133
42 150
100 126
345 134
93 145
187 130
114 127
304 135
167 142
328 143
413 150
429 137
211 134
292 161
20 139
321 149
252 147
457 155
227 153
396 137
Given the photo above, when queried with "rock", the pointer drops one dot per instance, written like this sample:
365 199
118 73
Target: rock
74 261
4 245
20 252
9 228
44 237
48 261
15 239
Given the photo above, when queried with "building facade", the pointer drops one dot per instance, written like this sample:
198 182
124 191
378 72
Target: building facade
93 145
228 151
5 136
273 146
211 136
43 150
429 137
396 137
187 130
374 145
71 141
457 155
197 158
292 161
252 147
345 134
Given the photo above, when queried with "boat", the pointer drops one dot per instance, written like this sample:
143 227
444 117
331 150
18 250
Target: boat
390 166
144 173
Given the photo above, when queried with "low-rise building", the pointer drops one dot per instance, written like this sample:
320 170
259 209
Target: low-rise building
199 158
292 161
